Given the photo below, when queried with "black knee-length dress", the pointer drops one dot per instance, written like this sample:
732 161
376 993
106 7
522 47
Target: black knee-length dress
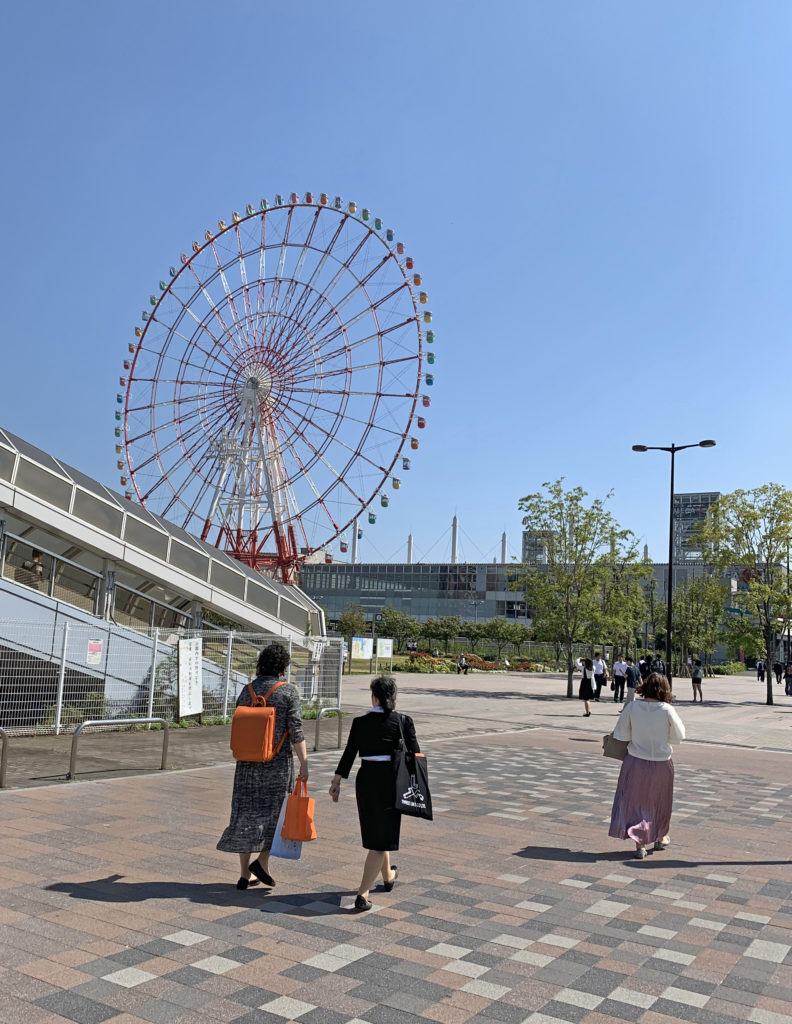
374 736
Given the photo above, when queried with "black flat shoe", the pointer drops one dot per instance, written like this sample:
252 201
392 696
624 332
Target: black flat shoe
363 904
246 883
388 886
260 873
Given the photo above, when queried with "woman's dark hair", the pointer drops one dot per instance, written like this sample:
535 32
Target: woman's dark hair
698 663
273 660
655 687
384 689
588 663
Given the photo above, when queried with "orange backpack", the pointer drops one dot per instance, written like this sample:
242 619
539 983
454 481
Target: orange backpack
253 729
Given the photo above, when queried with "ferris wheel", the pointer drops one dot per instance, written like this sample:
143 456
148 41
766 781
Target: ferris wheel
277 381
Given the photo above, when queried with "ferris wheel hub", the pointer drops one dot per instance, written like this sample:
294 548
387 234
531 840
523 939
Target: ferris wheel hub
258 385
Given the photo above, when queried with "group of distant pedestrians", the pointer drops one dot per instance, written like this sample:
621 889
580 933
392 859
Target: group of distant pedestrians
627 675
780 671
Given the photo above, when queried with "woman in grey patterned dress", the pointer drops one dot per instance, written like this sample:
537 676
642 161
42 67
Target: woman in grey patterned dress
259 787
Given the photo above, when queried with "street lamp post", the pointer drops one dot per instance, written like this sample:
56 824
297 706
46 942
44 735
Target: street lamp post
672 450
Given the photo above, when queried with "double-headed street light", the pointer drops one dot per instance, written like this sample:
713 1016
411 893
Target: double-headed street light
672 450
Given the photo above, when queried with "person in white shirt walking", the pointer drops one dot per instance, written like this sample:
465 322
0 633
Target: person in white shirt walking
645 790
600 675
619 679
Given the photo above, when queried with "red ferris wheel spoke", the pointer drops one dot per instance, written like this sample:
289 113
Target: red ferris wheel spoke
261 278
344 327
243 274
345 267
375 337
346 371
179 440
309 287
307 477
210 301
284 248
356 452
339 478
354 419
229 296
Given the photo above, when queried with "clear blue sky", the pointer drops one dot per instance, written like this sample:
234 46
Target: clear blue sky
598 196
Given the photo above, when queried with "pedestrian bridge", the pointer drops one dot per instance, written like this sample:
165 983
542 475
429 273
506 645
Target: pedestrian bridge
95 591
116 561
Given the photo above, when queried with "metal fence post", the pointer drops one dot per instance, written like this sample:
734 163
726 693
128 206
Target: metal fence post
153 675
61 679
340 678
228 673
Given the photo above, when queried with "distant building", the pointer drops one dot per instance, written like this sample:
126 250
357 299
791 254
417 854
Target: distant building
690 510
534 547
473 591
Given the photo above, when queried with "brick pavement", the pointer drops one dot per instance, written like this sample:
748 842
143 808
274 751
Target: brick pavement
512 906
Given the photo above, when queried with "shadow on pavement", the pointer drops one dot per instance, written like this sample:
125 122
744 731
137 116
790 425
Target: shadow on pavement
112 890
495 694
572 856
662 861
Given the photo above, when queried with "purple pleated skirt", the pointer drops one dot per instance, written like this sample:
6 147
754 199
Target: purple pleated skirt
643 800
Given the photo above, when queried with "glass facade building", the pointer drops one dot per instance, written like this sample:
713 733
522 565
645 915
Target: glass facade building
474 591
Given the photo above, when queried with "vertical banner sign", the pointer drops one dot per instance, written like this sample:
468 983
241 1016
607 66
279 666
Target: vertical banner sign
190 678
94 654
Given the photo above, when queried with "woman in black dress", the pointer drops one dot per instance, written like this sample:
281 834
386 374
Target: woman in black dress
586 692
375 736
260 787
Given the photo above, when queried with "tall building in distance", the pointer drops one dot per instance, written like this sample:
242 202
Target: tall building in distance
534 547
689 511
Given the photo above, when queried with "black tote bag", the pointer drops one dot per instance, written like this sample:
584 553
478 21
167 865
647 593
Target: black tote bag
412 781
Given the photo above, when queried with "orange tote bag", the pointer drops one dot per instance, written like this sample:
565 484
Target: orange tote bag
298 825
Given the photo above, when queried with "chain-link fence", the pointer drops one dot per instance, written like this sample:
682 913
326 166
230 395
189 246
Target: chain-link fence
53 677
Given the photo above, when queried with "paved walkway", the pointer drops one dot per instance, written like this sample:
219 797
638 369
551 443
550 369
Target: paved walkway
512 906
443 705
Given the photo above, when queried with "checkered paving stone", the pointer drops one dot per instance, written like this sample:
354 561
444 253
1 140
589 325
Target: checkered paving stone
513 906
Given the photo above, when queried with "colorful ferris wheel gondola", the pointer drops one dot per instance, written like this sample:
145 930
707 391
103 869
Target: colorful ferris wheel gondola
275 379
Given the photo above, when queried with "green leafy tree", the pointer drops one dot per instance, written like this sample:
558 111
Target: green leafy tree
352 622
585 548
473 633
519 634
498 630
431 630
619 609
697 613
748 535
398 625
445 629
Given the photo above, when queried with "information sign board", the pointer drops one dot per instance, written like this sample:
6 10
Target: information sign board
94 653
362 647
384 648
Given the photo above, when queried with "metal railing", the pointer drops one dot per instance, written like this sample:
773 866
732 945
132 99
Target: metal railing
326 711
114 722
4 737
55 675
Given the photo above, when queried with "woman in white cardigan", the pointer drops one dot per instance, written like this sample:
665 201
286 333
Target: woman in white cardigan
645 790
